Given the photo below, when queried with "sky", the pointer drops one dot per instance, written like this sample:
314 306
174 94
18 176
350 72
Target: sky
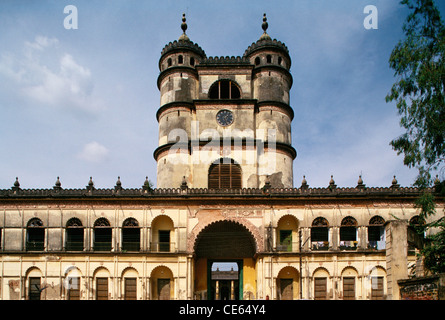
81 103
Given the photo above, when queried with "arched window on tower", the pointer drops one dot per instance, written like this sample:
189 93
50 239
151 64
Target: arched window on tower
224 173
224 89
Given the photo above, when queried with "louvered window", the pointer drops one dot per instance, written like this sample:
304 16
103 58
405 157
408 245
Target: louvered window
224 173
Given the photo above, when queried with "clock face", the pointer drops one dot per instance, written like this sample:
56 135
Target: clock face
224 117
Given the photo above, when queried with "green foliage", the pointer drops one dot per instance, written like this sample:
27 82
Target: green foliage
434 250
419 65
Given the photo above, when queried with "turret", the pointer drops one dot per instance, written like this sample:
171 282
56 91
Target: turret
271 83
178 85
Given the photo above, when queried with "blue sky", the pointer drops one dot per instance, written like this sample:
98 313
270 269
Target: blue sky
81 103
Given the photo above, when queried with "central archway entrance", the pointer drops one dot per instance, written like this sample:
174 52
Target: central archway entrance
221 244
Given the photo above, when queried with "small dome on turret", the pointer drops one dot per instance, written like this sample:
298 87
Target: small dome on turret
266 42
183 43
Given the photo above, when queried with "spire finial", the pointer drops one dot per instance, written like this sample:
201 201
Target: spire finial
184 28
265 25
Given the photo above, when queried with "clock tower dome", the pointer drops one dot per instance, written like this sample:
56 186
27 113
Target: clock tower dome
225 122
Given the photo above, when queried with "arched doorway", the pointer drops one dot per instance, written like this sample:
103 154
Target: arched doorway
288 285
162 283
225 243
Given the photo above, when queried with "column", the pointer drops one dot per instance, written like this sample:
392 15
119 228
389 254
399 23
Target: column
217 290
396 255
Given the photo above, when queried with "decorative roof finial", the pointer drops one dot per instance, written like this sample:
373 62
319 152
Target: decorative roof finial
57 185
332 184
394 183
16 186
360 183
17 183
183 37
118 185
184 184
265 25
304 185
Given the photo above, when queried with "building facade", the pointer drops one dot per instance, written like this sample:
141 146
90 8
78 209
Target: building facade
225 194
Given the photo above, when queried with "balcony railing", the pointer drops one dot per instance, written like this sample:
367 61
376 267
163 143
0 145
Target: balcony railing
162 247
35 246
377 245
102 246
348 245
74 246
320 245
131 246
288 247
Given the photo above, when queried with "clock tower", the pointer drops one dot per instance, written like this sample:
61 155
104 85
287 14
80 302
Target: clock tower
225 122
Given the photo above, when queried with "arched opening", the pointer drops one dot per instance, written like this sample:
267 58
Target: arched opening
35 235
348 234
321 284
131 235
162 283
349 278
74 235
101 284
34 284
72 283
224 265
129 282
320 234
162 234
287 234
102 235
224 89
224 173
377 279
288 284
376 233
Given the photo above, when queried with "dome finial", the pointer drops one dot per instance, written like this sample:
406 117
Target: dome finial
265 25
184 28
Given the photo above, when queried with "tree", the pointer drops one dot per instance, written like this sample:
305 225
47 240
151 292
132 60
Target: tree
419 65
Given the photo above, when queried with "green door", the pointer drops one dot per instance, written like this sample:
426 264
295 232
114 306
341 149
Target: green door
286 240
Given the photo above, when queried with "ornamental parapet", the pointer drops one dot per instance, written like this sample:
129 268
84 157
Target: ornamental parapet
145 191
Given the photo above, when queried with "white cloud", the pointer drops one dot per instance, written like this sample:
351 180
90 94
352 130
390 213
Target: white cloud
51 78
94 152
